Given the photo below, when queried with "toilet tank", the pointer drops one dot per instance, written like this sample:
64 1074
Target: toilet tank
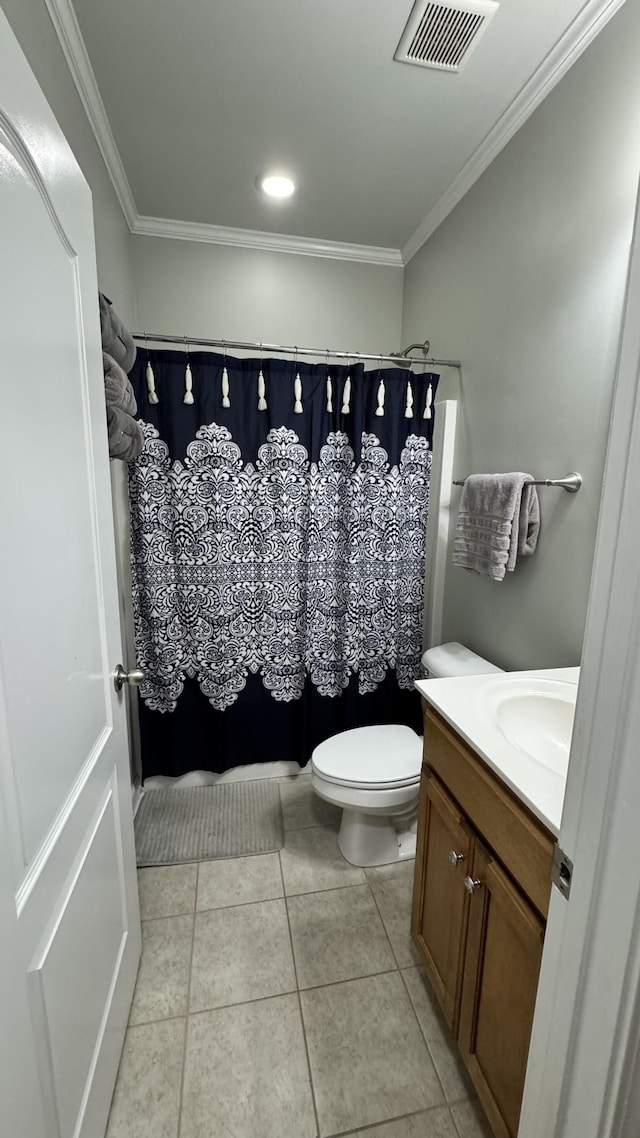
455 659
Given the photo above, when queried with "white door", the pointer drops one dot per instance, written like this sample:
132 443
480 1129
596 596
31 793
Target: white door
69 923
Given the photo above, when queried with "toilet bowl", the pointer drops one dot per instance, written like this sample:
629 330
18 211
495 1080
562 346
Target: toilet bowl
373 773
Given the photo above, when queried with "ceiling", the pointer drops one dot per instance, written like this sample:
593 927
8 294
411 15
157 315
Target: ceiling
205 95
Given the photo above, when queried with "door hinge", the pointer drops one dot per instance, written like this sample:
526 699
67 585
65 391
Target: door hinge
562 871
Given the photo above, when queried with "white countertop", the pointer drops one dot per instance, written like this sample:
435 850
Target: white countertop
462 701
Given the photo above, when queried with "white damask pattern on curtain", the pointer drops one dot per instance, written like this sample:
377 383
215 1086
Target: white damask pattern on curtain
288 569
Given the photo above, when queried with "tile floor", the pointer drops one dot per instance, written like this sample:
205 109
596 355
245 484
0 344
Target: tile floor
279 996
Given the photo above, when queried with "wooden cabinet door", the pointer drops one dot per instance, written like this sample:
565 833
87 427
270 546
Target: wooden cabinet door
440 900
502 965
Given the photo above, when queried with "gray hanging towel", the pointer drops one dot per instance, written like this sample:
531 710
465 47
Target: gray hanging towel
498 518
117 341
125 434
529 528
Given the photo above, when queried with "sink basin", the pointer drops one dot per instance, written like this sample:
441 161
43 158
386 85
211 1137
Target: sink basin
535 715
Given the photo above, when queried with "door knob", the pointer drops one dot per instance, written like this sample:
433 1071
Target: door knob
471 884
120 677
455 858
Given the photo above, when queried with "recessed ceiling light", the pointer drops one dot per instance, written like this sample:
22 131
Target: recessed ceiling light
276 186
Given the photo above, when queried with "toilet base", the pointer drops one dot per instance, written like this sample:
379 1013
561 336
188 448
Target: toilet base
373 839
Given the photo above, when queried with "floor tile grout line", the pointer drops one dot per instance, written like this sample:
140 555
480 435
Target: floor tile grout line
286 909
445 1030
279 897
208 860
300 1011
195 895
240 1003
270 853
186 1026
459 1101
330 889
313 826
308 1058
371 1126
167 917
150 1022
350 979
424 1036
214 861
483 1122
306 893
455 1124
242 905
288 992
384 925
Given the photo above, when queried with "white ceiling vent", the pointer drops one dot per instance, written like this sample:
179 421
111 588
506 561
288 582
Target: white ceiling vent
443 34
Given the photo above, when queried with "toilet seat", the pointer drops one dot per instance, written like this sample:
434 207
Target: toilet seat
373 775
370 758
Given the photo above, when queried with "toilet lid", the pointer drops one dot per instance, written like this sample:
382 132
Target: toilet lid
387 755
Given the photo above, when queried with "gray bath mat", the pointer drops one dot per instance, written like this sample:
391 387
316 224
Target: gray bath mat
198 823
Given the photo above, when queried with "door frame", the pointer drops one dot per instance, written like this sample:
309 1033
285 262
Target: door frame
586 1033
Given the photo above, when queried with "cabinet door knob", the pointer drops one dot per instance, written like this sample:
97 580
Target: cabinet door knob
471 884
455 858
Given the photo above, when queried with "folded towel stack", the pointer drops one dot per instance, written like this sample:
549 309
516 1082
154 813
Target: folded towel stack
117 341
499 518
125 434
118 357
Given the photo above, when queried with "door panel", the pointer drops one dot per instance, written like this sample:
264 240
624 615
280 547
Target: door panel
440 900
502 966
48 507
81 954
69 923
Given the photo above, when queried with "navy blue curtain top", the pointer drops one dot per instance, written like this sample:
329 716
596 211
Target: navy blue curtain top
177 422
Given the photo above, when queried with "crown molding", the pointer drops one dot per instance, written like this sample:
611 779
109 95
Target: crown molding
68 32
272 242
578 36
584 29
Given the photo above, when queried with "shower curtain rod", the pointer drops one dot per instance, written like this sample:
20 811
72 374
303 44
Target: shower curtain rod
398 358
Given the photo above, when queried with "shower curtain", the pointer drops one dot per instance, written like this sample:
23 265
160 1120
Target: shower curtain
278 517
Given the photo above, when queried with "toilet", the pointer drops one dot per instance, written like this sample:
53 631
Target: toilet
373 773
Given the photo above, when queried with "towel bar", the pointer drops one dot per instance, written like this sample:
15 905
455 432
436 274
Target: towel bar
571 482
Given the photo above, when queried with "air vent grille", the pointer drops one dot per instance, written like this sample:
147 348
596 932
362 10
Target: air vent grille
442 35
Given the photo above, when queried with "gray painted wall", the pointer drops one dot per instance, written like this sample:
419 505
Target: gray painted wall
524 282
244 294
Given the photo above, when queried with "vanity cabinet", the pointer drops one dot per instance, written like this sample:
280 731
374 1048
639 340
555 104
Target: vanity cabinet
440 918
481 895
500 979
